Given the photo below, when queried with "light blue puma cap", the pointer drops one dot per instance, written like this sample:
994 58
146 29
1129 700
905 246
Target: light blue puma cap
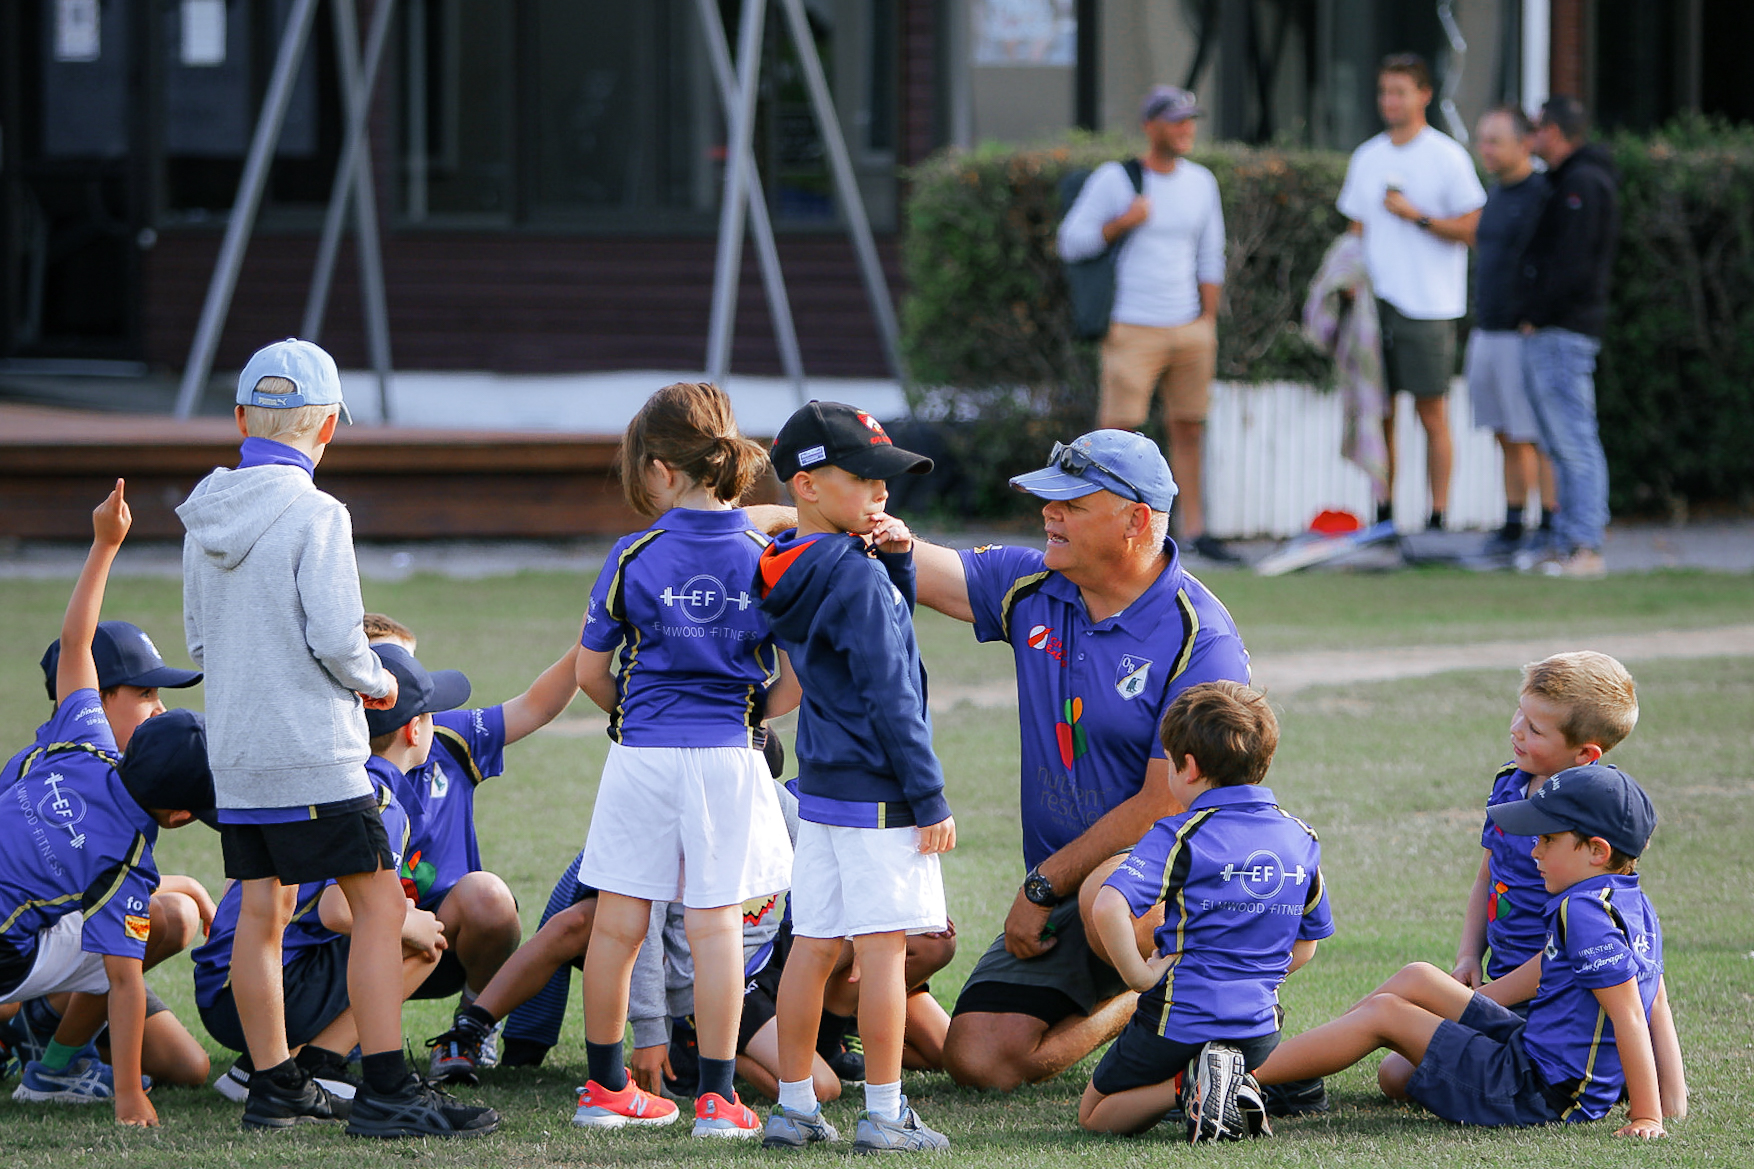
303 363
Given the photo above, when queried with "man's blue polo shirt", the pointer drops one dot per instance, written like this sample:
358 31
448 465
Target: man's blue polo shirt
1241 880
1091 694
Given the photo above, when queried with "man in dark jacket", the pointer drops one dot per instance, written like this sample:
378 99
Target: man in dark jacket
1564 309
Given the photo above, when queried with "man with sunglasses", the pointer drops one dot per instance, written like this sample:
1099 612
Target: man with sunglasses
1106 628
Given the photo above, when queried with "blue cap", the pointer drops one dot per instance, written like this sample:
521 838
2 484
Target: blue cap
305 364
1166 103
125 656
165 766
418 692
1122 461
1597 799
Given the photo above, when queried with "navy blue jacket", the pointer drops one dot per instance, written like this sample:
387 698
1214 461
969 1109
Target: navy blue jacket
844 616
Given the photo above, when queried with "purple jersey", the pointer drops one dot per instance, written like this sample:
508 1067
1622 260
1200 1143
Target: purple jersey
468 748
1091 694
1600 932
1516 894
696 653
72 840
1240 881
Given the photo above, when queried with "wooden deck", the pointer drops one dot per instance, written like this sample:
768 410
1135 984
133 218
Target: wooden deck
399 483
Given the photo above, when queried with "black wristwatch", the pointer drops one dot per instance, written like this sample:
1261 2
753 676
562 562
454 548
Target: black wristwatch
1424 221
1040 890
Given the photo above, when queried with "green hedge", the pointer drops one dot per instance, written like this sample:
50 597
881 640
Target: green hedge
988 340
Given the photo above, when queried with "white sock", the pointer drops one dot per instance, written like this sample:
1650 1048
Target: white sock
883 1099
798 1095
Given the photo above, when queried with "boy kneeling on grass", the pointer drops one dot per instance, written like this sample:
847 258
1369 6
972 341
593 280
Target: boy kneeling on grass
1240 882
1600 1020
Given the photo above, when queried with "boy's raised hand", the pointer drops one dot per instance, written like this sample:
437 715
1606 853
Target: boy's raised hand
111 519
891 535
939 837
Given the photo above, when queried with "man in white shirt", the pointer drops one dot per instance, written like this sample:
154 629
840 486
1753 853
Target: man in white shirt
1414 195
1163 334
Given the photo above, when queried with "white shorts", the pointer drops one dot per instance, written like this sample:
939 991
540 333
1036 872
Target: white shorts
851 881
699 825
61 965
1494 369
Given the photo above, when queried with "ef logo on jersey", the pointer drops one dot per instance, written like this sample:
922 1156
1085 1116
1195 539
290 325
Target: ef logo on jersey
703 599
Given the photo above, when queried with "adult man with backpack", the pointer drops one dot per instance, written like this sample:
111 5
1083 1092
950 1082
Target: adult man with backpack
1161 214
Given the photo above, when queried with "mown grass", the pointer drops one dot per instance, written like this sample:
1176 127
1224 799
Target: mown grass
1392 774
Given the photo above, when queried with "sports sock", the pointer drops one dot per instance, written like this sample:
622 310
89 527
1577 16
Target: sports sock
1435 521
57 1055
314 1059
798 1096
715 1076
475 1019
286 1074
385 1072
1513 522
1546 519
883 1099
608 1067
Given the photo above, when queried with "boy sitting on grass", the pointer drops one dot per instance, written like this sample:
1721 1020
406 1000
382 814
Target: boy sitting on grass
1600 1023
1244 903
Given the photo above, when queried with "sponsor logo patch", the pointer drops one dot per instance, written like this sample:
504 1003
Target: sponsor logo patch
136 926
811 455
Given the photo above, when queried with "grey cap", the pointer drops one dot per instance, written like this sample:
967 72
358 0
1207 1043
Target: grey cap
1166 103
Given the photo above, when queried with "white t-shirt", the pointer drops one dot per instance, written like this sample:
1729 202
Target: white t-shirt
1164 260
1423 276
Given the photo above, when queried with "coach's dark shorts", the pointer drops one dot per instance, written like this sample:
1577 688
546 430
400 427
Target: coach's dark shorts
1140 1057
1417 356
350 841
1067 980
316 993
1475 1071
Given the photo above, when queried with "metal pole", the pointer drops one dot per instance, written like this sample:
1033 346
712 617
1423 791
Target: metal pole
846 186
353 174
243 209
741 124
779 305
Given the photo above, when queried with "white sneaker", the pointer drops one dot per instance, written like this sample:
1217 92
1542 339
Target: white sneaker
234 1085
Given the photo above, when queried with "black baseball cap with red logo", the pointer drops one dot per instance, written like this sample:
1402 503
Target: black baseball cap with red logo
833 434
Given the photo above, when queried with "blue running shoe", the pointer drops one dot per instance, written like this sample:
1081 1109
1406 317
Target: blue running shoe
29 1030
86 1080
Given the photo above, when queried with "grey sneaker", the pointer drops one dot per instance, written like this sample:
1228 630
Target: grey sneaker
880 1134
790 1129
1209 1094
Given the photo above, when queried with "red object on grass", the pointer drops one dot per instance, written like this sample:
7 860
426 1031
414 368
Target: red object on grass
1335 522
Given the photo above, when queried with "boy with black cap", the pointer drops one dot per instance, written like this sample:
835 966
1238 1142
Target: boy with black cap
272 611
870 790
1600 1022
76 871
130 673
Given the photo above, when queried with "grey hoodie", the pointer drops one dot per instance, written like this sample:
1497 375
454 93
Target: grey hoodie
273 615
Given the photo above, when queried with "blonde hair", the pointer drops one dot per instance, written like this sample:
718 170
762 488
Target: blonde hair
293 422
1596 693
689 427
381 628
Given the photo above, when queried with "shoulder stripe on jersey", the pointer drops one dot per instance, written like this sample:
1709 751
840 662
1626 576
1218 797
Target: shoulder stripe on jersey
1317 887
1303 824
458 746
617 600
98 895
1504 772
302 911
762 539
48 749
25 907
1175 876
623 681
1022 587
1190 632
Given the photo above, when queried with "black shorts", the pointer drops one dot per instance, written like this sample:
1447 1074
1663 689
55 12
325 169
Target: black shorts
447 978
316 993
1139 1057
762 991
350 841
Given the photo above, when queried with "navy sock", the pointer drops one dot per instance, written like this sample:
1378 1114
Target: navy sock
1546 519
314 1059
1385 512
715 1076
1435 521
1513 522
607 1064
476 1019
287 1075
385 1072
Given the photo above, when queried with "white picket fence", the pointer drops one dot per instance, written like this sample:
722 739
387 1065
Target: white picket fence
1273 461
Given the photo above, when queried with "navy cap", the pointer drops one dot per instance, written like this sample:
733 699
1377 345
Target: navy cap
307 365
1122 461
1166 103
418 692
125 656
165 766
833 434
1597 799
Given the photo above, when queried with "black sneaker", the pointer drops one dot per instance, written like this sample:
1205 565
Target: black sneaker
417 1110
1213 549
1296 1098
848 1060
456 1055
334 1076
272 1104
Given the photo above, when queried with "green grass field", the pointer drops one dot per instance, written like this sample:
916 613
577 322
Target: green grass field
1393 775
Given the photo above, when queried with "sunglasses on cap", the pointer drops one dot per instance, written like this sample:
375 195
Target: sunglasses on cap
1073 461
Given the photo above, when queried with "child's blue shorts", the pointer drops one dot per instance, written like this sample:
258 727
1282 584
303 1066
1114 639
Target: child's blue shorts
1475 1071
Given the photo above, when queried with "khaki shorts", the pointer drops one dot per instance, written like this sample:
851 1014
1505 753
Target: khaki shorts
1177 362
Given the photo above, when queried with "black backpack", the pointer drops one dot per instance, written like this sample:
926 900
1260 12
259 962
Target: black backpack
1091 283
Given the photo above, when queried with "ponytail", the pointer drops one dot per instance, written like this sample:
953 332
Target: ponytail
690 427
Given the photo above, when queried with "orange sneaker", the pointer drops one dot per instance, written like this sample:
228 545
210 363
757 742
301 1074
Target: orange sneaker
715 1116
601 1108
